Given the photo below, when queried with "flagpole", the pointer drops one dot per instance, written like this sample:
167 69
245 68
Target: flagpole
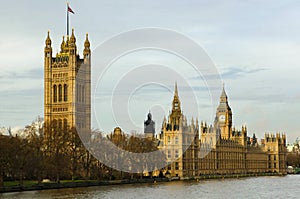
67 19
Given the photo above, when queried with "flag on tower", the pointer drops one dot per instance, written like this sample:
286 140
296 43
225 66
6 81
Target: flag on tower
70 9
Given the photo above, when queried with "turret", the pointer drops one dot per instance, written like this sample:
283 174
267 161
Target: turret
63 45
48 48
87 50
72 39
72 44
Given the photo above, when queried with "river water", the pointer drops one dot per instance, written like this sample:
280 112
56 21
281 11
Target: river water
254 187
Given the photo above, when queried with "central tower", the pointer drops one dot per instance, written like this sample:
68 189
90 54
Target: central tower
67 85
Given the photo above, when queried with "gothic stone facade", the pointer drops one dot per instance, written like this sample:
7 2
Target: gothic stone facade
219 148
67 85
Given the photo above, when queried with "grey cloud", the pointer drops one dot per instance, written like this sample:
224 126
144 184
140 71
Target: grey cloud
231 73
35 73
236 72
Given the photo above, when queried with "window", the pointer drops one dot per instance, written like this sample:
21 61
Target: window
169 140
60 93
65 92
54 124
54 93
169 166
176 105
176 140
169 154
176 154
59 124
65 125
176 166
82 93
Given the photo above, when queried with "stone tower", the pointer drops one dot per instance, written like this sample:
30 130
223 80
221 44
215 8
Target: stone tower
223 120
275 146
177 140
67 85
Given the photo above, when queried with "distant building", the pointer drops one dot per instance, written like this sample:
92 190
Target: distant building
149 126
217 149
67 85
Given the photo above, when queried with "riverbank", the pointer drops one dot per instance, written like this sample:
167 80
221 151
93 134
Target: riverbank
62 185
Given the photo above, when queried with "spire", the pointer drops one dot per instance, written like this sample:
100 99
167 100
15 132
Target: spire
176 90
176 109
223 94
72 38
87 42
176 101
48 40
62 46
87 45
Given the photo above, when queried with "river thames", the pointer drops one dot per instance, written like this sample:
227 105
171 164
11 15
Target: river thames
254 187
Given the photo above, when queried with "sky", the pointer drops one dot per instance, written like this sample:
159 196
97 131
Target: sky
254 45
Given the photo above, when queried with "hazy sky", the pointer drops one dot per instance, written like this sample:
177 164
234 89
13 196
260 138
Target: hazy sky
255 46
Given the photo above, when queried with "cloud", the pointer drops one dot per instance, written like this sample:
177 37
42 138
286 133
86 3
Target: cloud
237 72
230 73
35 73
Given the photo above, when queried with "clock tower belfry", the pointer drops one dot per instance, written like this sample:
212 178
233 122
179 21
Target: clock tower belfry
223 120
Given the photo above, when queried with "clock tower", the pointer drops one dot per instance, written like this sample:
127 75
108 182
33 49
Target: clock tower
223 119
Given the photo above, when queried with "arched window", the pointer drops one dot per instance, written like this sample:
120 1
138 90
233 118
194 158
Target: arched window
54 93
65 92
79 93
54 124
60 93
60 124
82 94
65 125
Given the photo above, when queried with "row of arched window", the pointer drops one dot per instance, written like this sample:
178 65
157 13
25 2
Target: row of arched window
60 124
60 93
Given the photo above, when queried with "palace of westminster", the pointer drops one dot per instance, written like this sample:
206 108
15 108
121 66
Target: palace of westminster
191 149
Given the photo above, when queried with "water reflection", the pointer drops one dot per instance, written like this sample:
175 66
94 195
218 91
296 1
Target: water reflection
259 187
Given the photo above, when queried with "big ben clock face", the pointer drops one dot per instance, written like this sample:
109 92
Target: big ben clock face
222 118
